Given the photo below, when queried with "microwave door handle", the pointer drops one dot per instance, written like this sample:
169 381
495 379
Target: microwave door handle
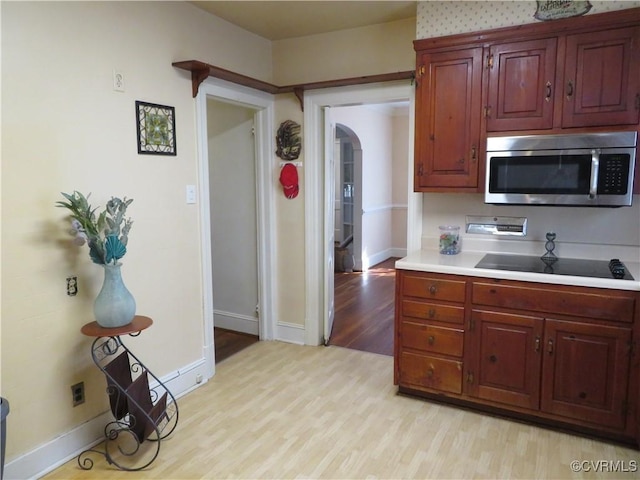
595 166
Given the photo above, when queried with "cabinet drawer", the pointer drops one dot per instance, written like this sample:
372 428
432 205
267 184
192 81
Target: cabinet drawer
431 338
605 305
433 288
433 311
431 372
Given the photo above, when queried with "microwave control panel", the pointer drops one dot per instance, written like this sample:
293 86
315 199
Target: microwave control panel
613 175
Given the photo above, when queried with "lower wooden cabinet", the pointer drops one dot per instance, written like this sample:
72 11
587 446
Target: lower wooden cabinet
504 365
558 354
585 372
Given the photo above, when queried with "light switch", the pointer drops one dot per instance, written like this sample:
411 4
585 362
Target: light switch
191 194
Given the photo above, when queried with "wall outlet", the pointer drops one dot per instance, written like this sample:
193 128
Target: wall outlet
118 81
72 286
77 393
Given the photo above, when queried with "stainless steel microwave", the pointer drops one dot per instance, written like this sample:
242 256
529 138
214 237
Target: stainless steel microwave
594 169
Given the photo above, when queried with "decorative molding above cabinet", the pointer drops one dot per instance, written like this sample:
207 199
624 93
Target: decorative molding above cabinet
573 75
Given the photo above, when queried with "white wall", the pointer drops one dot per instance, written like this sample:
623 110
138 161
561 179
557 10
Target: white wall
65 128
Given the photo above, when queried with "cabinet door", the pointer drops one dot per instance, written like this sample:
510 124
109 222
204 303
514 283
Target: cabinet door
507 358
521 83
426 371
602 78
448 105
585 372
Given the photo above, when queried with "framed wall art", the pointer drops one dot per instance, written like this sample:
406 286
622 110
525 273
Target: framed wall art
156 125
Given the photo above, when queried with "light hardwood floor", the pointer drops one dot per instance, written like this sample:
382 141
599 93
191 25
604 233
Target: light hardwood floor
277 410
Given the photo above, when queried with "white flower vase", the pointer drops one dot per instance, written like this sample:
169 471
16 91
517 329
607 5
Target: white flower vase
114 306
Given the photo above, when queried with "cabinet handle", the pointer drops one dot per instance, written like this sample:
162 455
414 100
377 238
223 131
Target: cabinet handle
469 377
537 344
569 89
432 312
548 96
431 340
550 347
473 153
430 373
433 289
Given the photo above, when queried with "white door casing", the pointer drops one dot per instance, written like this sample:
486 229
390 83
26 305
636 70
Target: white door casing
317 189
263 103
329 225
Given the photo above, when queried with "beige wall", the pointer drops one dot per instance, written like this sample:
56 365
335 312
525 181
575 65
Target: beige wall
290 238
383 48
64 128
349 53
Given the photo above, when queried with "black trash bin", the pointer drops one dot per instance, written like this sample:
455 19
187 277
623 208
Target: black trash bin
4 411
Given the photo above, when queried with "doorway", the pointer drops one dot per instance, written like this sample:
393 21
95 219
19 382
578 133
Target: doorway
371 160
348 200
233 210
317 106
252 114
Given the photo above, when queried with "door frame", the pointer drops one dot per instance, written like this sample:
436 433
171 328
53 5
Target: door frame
316 184
263 104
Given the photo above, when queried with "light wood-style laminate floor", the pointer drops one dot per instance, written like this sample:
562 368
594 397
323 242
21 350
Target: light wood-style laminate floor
277 410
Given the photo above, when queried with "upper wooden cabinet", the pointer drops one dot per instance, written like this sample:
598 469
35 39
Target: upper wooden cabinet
522 77
597 82
602 78
448 101
573 75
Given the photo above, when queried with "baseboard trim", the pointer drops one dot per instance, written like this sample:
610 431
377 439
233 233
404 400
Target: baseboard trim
69 445
379 257
236 322
290 333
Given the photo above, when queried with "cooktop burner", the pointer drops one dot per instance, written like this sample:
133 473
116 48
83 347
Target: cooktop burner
562 266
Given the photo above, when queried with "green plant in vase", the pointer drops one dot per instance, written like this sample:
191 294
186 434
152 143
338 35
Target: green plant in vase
106 233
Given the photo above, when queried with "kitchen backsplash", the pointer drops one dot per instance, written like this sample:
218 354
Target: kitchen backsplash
437 18
581 231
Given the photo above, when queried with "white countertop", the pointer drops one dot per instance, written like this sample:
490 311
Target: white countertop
464 264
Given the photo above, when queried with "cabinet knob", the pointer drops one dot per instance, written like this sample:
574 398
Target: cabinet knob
493 359
548 95
431 340
432 312
433 289
569 89
430 373
550 347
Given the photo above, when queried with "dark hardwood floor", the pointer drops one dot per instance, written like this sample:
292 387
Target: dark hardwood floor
364 309
228 342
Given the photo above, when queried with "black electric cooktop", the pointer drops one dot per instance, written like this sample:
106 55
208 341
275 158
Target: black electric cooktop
562 266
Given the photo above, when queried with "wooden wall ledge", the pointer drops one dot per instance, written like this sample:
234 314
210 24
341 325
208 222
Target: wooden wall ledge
200 71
